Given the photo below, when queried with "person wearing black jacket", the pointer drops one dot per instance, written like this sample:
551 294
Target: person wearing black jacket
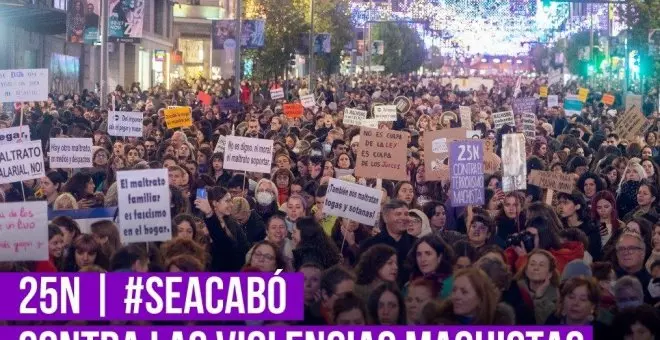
573 210
228 241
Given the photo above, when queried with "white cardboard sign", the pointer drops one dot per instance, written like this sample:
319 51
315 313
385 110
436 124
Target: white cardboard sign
14 134
24 232
277 94
125 124
248 154
21 161
71 153
353 201
24 85
385 113
354 116
144 205
220 146
308 101
502 118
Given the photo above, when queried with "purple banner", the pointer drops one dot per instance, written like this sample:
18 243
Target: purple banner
301 333
522 105
466 168
133 296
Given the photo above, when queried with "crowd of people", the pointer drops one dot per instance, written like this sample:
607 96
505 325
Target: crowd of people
592 257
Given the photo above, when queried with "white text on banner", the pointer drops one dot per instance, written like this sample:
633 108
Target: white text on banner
21 161
24 232
248 154
144 205
72 153
125 124
24 85
353 201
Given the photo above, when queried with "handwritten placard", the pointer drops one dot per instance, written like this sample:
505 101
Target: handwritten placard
74 153
353 201
523 105
23 85
436 146
307 101
466 166
503 118
220 145
529 125
248 154
385 113
553 100
382 154
125 124
294 110
144 205
14 135
514 165
552 180
354 116
631 124
607 99
21 161
24 232
466 116
277 93
176 117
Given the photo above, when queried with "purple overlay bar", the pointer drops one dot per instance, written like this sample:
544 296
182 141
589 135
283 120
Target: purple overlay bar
161 296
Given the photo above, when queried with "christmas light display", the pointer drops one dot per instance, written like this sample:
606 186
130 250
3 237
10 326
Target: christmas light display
490 27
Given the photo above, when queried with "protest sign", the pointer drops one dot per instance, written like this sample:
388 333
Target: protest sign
552 180
353 201
23 226
382 154
14 135
180 116
21 161
555 76
24 85
466 168
230 103
522 105
607 99
385 113
86 217
514 164
370 123
633 100
473 134
553 100
466 116
293 110
277 93
204 98
307 101
220 145
631 124
248 154
436 151
503 118
572 105
403 104
125 124
529 125
74 153
583 94
354 116
144 205
543 91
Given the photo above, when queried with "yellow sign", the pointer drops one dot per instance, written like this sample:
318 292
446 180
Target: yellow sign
582 94
178 116
543 92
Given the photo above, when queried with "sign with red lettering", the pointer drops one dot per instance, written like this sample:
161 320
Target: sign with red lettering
24 232
293 110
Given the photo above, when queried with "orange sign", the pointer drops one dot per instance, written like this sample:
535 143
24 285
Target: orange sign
607 99
293 110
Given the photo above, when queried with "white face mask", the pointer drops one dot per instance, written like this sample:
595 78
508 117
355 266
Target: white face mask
264 198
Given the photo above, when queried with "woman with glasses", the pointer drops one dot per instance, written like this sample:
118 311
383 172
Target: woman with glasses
266 258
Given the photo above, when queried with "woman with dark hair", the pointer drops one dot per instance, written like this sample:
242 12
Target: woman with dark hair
612 175
652 171
349 310
377 265
578 305
55 251
312 243
229 244
604 214
85 251
589 184
574 213
639 323
347 235
386 305
81 186
266 257
511 218
184 226
437 214
427 191
69 228
432 258
51 186
405 191
217 171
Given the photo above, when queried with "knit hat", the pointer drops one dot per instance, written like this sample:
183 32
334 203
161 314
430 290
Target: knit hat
575 268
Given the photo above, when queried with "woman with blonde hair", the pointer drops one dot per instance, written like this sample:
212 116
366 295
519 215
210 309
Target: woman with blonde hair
473 301
631 180
65 201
